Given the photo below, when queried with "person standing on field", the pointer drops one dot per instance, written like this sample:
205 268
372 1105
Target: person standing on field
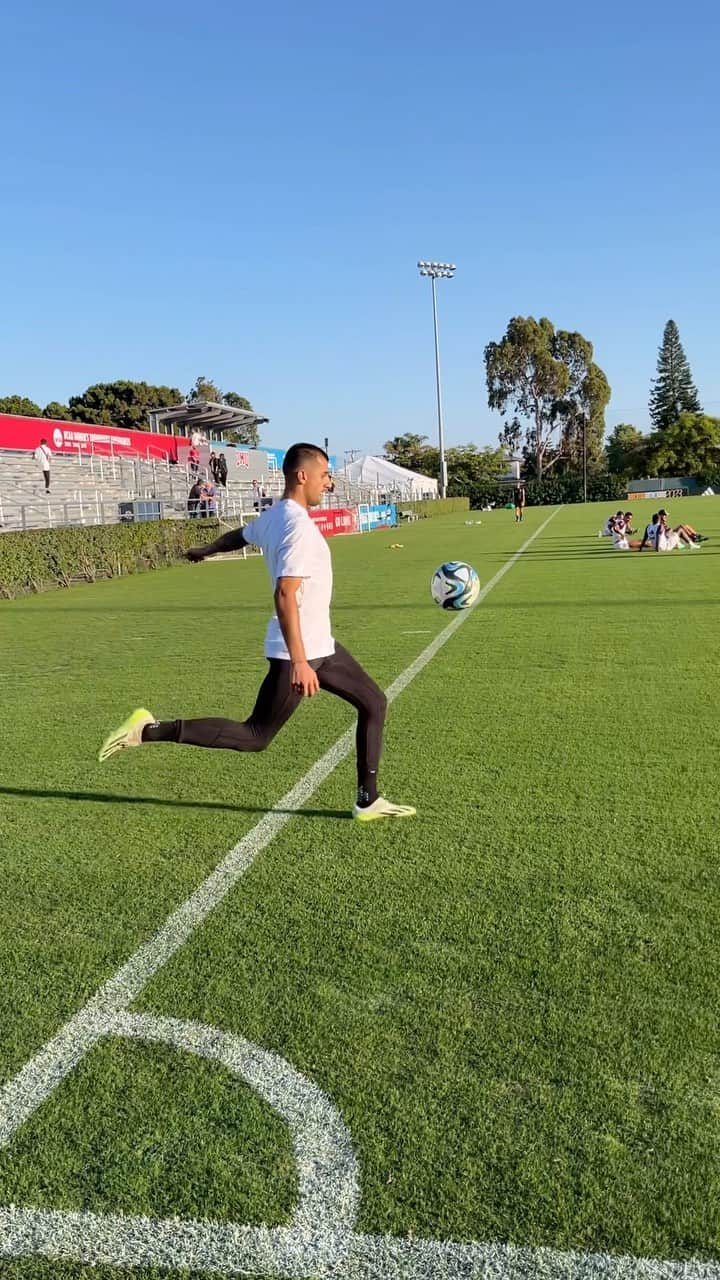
519 501
302 653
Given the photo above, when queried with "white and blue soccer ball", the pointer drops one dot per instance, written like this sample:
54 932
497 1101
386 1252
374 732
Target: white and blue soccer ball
455 585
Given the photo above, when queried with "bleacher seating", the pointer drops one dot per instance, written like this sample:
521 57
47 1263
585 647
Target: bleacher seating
88 490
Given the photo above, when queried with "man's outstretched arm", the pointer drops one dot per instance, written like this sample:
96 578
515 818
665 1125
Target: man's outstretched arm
234 540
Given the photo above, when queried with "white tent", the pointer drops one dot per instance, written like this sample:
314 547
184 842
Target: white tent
388 478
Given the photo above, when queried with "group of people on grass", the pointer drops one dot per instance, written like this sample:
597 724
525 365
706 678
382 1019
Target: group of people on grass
658 535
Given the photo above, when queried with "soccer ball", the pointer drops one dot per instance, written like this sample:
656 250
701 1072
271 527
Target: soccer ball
455 585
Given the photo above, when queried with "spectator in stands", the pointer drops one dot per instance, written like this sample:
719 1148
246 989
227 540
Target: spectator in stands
196 438
195 500
42 456
212 465
222 469
209 503
260 498
194 460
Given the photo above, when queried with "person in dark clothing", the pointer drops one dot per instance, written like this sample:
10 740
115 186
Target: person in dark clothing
195 500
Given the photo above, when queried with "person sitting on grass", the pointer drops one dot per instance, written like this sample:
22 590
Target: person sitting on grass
650 535
682 535
621 542
684 529
607 529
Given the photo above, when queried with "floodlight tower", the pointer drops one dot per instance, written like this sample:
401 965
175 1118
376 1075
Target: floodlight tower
438 271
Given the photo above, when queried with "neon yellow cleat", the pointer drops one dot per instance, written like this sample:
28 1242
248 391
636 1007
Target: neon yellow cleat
129 734
382 808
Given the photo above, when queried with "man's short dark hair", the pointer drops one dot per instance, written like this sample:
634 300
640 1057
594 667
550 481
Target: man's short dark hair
298 454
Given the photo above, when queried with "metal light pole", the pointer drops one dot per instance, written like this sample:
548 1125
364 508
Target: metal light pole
584 429
438 271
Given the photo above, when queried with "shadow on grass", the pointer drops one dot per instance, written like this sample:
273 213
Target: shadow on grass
654 602
231 606
605 552
102 797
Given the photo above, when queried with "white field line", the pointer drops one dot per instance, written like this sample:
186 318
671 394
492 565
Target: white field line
320 1240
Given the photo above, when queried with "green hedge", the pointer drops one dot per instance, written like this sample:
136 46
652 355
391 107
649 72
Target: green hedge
436 506
44 558
602 486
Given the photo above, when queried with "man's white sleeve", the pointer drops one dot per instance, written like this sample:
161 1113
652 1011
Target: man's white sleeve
292 557
252 533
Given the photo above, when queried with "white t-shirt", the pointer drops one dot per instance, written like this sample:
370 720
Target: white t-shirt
42 456
294 547
668 540
651 533
620 542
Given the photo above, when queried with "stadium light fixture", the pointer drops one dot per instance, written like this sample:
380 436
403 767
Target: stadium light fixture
438 271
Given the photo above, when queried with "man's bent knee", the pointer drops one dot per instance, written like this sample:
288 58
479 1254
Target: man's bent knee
259 739
378 704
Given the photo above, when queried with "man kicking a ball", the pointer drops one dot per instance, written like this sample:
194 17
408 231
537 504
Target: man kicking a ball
302 654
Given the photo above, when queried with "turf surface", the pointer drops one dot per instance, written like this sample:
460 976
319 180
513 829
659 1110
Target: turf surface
511 1000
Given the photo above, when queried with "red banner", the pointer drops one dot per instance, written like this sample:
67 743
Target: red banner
69 437
336 520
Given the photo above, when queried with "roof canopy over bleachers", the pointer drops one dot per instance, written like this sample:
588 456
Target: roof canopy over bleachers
203 415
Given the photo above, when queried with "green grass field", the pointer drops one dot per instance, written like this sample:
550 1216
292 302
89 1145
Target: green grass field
511 1000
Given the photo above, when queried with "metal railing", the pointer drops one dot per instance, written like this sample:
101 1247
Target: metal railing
96 510
140 482
95 507
156 476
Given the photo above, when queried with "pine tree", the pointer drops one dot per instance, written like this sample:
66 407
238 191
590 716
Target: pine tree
673 391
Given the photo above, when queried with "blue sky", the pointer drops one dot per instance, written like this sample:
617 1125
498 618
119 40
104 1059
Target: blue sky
243 191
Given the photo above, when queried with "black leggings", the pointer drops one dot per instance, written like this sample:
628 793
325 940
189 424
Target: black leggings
339 674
